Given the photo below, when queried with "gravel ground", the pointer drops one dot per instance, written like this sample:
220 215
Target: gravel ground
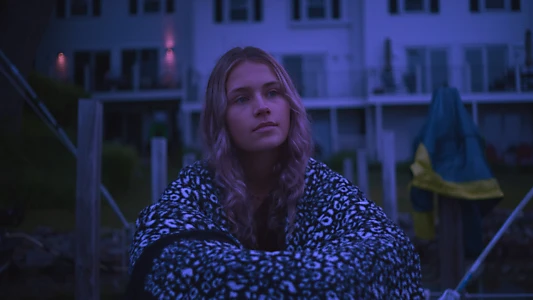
41 275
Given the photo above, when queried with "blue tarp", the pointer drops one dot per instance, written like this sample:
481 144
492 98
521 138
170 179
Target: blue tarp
449 160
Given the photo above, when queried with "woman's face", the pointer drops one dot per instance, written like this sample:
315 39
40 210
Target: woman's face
257 116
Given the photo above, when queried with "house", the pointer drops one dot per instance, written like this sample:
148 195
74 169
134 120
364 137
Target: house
129 54
318 42
361 66
477 46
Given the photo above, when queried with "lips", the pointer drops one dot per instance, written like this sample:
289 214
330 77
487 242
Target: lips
265 124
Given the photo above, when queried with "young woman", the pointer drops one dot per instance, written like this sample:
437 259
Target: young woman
260 218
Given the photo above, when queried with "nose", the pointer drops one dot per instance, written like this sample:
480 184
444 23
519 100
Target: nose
261 107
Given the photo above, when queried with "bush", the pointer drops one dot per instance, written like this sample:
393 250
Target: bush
336 161
40 173
59 97
119 163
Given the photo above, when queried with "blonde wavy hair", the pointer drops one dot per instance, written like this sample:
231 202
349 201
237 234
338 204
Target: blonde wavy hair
221 153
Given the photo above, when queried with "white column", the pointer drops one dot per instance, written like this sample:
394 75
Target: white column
186 127
370 133
362 171
116 62
379 131
158 159
475 113
334 129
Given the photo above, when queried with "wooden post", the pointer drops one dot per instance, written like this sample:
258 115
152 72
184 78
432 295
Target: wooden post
347 169
159 167
88 179
362 172
450 242
388 169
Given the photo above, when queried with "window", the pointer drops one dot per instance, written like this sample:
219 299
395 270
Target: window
76 8
60 9
494 5
307 72
414 6
316 10
133 7
97 7
97 63
147 62
152 6
427 69
488 68
149 68
170 6
79 8
237 10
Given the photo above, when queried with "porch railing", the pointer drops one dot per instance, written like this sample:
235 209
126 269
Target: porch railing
467 78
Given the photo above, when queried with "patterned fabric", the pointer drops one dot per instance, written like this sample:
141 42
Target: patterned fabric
342 246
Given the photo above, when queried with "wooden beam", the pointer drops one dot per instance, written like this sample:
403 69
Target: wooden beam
88 179
450 241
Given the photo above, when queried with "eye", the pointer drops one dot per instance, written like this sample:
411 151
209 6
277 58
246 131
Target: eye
272 93
241 99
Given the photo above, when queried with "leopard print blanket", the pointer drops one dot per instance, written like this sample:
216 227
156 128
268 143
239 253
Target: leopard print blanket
342 247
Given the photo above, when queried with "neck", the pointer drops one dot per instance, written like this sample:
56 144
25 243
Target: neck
259 170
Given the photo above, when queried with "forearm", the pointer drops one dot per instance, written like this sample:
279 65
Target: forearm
213 269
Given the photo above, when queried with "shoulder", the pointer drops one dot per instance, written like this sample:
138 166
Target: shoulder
318 172
195 178
196 173
321 181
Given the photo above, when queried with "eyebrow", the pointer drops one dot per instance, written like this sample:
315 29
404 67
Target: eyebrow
244 88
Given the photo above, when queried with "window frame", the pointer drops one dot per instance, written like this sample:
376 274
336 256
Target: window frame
426 8
146 2
246 5
508 7
328 13
485 59
140 8
88 5
427 79
227 8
